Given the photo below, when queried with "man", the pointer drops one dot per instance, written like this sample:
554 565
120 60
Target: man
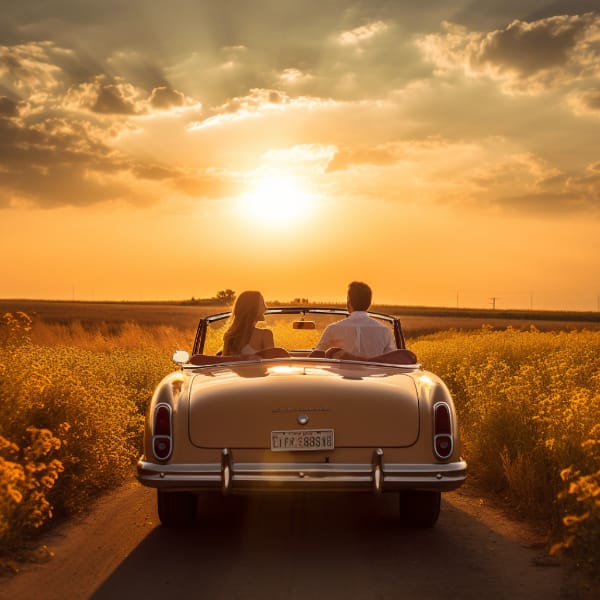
358 336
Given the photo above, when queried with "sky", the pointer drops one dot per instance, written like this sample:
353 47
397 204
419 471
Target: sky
445 152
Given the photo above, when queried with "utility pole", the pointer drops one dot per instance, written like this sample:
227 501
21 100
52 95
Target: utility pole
493 301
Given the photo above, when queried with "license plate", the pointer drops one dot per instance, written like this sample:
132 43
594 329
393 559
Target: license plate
302 439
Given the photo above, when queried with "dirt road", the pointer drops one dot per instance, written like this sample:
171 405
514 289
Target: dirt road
293 548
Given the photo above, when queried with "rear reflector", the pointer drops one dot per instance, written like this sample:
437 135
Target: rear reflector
162 446
443 445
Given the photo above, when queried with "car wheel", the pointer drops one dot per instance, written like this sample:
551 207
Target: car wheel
176 509
419 508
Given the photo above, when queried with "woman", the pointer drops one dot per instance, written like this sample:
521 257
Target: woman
242 336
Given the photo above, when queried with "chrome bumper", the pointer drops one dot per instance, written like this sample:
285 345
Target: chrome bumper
230 476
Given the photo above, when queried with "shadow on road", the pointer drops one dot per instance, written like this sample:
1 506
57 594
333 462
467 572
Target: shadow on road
300 547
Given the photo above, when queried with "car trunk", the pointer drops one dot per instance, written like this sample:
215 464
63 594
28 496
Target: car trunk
241 406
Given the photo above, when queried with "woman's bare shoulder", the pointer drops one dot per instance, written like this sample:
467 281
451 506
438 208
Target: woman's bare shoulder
261 338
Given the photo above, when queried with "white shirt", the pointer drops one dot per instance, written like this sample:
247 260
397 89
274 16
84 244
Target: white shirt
358 334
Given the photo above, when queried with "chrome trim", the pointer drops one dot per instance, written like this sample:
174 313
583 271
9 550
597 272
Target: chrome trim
378 470
300 359
249 477
226 464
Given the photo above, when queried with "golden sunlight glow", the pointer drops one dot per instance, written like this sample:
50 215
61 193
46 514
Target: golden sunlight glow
285 370
276 199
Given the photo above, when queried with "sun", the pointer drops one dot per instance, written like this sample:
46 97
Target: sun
276 199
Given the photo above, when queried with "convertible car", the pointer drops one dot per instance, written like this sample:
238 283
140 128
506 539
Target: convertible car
295 420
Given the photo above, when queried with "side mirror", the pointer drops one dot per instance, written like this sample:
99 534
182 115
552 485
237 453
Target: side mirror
304 325
181 357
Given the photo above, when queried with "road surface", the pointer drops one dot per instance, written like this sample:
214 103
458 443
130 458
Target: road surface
292 548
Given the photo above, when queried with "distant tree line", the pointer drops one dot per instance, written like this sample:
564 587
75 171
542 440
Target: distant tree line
227 298
223 297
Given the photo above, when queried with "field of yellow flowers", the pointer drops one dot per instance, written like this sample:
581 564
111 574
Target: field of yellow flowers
72 402
529 410
71 417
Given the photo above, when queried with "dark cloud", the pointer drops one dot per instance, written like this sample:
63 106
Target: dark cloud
56 131
110 101
530 47
495 14
61 162
590 99
8 108
164 98
50 164
563 7
527 57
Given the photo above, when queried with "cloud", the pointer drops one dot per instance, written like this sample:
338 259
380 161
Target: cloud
208 185
302 154
104 97
527 184
57 134
54 162
8 108
345 158
526 57
358 35
62 162
292 76
256 103
26 68
482 176
114 99
347 96
163 98
585 102
121 98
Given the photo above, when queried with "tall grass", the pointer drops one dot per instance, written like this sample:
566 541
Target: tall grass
71 415
72 400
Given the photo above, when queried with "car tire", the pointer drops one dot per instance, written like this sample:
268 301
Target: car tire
419 508
176 509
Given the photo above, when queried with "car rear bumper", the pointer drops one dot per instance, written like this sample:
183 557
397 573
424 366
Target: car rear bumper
230 476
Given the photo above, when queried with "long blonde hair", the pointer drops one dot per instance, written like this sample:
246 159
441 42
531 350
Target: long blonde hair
246 312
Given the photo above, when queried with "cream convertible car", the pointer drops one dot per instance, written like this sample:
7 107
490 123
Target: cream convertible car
298 423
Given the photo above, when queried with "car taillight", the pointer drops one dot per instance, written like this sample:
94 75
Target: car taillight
162 420
162 440
442 430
